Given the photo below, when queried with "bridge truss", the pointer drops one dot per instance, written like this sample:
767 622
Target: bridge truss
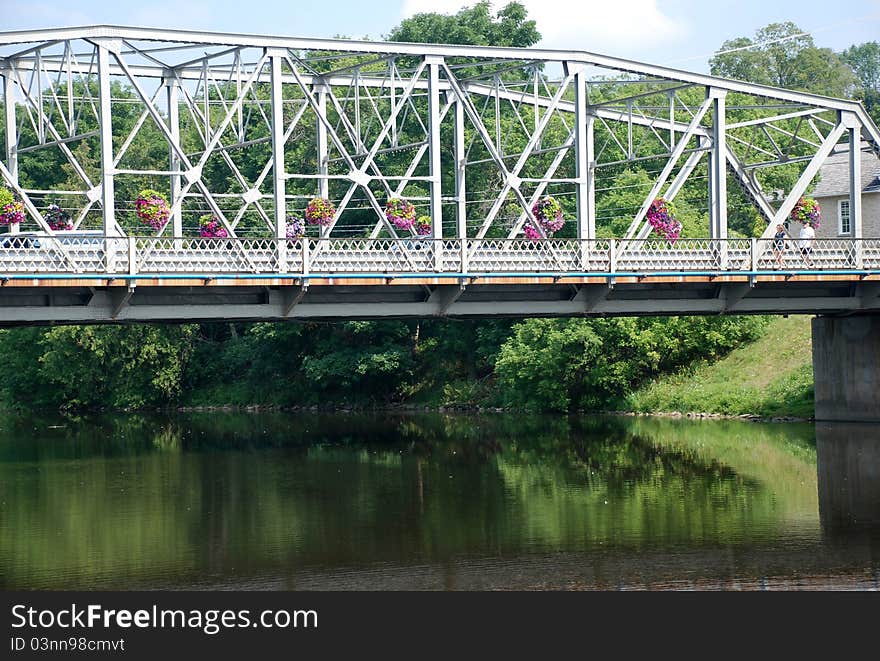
249 128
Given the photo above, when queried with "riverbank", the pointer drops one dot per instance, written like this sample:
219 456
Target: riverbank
771 378
414 408
768 379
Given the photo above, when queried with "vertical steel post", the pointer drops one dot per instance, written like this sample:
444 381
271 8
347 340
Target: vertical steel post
11 133
436 203
718 178
718 167
498 114
108 202
172 90
278 173
322 156
460 184
583 153
855 182
854 128
132 257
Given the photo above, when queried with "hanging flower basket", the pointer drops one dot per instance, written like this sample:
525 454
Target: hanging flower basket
57 218
531 233
11 208
320 211
661 216
152 208
807 212
423 225
548 213
296 229
210 227
400 213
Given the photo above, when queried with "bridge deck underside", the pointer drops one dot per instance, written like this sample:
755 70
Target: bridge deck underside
26 301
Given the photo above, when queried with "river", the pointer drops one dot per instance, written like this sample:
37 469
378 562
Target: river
441 502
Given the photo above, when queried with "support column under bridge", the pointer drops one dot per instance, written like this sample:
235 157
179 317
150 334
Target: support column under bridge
846 368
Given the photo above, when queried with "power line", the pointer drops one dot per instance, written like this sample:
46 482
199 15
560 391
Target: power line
769 42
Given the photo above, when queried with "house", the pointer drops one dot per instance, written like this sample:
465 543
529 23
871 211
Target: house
832 193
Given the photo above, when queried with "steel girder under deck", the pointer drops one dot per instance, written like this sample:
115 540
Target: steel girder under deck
126 300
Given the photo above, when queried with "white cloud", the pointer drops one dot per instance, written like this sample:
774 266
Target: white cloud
601 26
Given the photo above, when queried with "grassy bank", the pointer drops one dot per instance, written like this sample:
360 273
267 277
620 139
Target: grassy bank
771 377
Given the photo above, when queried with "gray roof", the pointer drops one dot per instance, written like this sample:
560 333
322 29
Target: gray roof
834 175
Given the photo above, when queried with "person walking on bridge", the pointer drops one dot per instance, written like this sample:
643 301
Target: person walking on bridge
779 244
806 243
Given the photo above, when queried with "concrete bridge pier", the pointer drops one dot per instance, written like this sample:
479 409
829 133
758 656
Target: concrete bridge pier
846 368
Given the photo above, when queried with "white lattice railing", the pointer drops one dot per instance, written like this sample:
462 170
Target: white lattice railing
71 254
683 255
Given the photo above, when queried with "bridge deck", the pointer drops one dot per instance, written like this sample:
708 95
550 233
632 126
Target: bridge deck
69 279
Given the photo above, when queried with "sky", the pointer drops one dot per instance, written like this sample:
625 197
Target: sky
678 33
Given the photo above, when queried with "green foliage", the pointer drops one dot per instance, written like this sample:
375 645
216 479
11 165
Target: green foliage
128 366
22 384
864 59
95 366
369 357
550 364
472 26
772 377
781 54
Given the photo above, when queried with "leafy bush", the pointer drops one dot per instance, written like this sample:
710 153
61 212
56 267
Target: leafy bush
560 364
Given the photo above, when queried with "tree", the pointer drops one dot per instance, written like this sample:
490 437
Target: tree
865 62
783 55
471 25
560 364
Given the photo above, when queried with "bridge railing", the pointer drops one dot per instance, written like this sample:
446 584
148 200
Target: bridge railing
312 256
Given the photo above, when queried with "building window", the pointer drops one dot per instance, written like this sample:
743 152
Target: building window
843 221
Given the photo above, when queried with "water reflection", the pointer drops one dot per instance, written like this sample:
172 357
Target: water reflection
421 501
849 477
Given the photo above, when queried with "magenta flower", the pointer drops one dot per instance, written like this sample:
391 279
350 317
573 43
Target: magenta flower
400 213
11 208
152 208
661 216
57 218
210 227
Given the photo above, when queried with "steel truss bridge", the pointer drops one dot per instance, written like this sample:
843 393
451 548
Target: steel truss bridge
252 127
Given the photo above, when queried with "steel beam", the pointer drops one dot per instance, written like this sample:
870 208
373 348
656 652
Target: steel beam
460 154
277 129
321 145
108 193
436 203
718 167
443 50
172 87
584 155
855 181
11 134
